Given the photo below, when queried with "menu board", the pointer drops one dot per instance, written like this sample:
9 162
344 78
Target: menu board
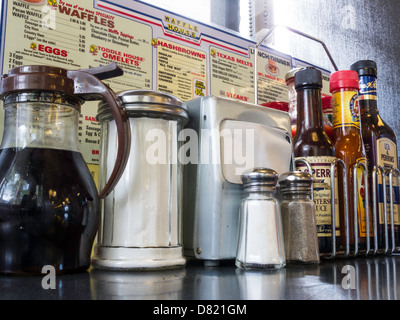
157 50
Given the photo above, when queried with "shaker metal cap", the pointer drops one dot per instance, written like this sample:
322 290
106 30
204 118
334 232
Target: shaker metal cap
260 179
151 103
295 180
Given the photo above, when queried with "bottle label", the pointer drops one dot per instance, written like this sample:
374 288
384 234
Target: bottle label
387 159
321 172
367 88
361 202
345 109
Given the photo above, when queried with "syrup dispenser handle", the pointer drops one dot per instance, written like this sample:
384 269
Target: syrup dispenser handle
105 72
88 86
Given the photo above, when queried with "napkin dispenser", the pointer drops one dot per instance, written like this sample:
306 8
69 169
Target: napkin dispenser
232 137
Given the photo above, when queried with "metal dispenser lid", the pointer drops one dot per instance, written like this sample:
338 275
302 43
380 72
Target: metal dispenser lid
260 180
148 103
295 181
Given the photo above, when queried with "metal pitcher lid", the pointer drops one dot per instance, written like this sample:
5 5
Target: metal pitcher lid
149 103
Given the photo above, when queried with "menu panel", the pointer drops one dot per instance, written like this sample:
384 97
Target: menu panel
271 70
181 71
157 50
232 75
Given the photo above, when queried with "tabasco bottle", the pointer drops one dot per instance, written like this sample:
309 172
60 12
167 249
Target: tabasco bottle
380 146
312 144
349 148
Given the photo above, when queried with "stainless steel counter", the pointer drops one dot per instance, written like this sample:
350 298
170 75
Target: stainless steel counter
351 279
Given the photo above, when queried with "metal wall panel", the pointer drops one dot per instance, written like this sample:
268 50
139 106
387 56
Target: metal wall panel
352 30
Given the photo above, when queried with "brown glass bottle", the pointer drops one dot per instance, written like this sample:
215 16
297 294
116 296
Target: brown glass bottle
313 144
350 149
380 146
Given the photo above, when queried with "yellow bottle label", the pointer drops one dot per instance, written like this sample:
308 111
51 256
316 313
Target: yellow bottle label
361 201
345 110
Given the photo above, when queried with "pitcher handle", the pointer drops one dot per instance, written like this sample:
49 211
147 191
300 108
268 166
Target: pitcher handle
90 87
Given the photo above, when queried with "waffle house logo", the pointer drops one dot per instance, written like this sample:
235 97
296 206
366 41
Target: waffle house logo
181 27
93 50
52 3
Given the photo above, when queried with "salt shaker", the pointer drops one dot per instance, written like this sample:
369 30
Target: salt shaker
298 218
260 241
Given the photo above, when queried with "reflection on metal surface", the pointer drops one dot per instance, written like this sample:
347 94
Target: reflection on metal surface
347 279
343 279
153 285
261 285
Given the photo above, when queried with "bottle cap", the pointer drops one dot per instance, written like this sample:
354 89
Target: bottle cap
326 103
344 79
290 74
365 68
260 179
308 77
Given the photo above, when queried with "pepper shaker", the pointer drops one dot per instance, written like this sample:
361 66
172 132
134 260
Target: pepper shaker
298 218
260 241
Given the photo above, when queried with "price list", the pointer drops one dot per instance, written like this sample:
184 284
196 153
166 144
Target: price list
181 71
232 75
271 72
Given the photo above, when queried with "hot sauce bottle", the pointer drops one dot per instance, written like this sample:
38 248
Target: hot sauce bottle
313 144
380 146
349 148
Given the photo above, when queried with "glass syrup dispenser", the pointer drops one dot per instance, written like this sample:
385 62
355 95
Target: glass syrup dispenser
49 204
